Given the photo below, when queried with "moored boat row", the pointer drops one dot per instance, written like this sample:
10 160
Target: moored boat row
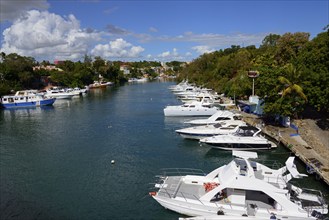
241 189
35 98
222 130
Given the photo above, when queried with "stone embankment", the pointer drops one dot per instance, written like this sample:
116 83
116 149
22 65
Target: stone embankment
311 144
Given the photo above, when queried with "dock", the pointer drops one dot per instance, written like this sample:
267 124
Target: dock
315 155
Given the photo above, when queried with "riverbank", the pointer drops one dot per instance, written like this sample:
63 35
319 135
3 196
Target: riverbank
310 144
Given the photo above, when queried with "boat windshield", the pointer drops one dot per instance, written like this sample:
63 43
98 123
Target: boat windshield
246 131
218 125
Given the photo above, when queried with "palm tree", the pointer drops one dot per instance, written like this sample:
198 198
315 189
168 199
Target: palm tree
292 91
290 82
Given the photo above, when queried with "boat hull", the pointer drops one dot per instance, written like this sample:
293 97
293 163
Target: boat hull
187 112
241 146
45 102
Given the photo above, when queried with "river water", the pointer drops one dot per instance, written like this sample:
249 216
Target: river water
55 162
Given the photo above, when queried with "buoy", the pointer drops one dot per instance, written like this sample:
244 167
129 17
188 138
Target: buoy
112 161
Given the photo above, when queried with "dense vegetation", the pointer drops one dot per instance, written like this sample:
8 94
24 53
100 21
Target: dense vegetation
16 72
293 72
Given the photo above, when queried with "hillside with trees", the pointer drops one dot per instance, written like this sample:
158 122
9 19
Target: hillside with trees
293 72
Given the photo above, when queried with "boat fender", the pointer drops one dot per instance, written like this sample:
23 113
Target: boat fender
152 193
210 186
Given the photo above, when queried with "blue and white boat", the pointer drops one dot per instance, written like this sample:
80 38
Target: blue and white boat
25 99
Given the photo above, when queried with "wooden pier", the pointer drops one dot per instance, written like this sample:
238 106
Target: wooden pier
315 156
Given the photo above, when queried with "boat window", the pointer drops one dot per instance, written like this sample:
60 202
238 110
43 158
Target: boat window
260 199
192 106
217 125
222 118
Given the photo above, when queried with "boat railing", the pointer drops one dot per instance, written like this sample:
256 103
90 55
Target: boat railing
172 194
182 172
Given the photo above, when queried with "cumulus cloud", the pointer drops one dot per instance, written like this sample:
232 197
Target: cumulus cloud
118 48
202 49
11 9
48 36
170 55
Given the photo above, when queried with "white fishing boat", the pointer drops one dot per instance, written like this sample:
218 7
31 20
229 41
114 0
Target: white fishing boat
220 115
58 93
245 138
242 188
221 128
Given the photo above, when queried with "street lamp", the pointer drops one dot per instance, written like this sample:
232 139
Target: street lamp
253 74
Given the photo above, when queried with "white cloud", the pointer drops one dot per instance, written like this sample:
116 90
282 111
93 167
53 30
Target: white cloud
215 40
203 49
164 54
153 29
11 9
173 55
117 49
47 36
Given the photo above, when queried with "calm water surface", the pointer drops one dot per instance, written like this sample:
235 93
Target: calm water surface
55 162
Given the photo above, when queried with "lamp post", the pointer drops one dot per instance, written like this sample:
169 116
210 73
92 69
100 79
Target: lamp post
253 74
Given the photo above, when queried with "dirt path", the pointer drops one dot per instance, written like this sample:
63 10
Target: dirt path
314 135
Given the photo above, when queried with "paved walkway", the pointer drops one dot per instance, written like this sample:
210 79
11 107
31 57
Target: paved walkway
303 145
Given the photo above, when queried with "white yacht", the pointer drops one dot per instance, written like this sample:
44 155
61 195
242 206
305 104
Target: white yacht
190 109
221 128
242 188
220 115
203 107
57 93
245 138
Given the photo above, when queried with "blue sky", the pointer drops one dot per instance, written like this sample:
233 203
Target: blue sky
148 30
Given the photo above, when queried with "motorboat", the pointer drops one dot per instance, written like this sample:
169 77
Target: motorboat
241 188
202 131
58 93
245 138
25 98
181 87
197 96
100 84
220 115
203 107
190 109
143 79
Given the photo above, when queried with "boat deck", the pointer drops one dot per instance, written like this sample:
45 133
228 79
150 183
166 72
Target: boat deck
175 187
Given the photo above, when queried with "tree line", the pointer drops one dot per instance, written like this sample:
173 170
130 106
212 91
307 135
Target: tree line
17 73
293 72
